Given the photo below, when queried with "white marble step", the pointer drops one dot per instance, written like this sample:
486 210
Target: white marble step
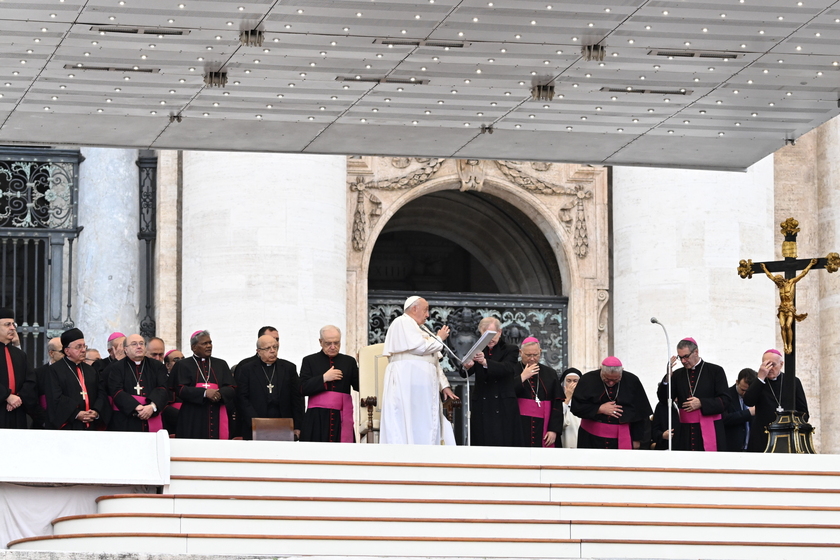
682 513
349 508
370 547
324 526
280 546
359 489
605 493
563 474
443 528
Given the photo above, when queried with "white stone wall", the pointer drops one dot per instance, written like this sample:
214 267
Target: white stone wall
106 261
678 236
263 244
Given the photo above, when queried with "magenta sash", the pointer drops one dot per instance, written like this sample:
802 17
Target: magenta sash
337 401
707 426
621 432
224 432
155 422
529 407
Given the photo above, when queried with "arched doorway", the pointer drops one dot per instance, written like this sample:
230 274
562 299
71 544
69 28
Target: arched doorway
523 241
470 255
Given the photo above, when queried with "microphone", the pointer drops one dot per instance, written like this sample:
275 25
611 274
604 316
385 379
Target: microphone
655 321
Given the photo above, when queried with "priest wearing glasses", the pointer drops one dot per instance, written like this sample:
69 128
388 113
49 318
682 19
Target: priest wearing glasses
206 388
137 385
268 387
76 394
701 393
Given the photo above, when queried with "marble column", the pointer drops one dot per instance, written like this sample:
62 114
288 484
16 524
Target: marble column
168 249
107 254
796 170
677 238
828 165
264 243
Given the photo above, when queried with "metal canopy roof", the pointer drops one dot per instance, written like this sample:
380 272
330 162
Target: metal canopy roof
692 83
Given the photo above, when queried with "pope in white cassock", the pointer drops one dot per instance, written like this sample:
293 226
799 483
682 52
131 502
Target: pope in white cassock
411 407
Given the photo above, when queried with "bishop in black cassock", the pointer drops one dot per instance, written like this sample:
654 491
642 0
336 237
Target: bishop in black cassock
765 394
613 407
17 380
76 395
494 409
268 388
326 377
701 393
206 388
137 386
540 397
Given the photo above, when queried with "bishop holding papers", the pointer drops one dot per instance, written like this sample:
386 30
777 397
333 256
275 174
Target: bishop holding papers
411 404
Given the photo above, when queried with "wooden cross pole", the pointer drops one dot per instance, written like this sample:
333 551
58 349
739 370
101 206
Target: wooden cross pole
790 266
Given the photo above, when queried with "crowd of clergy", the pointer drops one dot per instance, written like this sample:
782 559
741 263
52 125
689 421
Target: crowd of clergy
515 399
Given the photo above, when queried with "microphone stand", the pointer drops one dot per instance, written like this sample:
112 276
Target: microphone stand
459 364
668 371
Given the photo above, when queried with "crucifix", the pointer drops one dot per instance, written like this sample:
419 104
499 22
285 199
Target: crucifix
270 388
138 388
788 317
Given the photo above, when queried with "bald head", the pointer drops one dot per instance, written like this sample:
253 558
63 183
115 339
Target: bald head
267 347
54 349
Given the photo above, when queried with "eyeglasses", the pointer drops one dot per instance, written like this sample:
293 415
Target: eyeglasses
136 344
78 347
687 356
269 348
7 324
329 344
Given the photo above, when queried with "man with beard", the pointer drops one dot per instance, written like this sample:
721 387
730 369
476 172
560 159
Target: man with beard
494 410
17 380
76 394
137 385
205 386
539 396
326 377
613 408
268 387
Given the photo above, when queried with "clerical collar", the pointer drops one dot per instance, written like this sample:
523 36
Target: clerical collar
138 362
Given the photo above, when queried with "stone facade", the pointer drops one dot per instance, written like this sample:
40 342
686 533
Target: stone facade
568 203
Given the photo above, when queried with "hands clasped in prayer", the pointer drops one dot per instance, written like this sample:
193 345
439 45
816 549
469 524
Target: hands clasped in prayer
213 394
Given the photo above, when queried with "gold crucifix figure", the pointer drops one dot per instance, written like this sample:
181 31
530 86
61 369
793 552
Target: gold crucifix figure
787 295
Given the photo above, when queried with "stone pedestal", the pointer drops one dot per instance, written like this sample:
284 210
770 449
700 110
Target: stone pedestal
106 261
677 238
263 244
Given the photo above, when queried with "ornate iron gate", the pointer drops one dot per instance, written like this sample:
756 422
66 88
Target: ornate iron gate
544 317
38 212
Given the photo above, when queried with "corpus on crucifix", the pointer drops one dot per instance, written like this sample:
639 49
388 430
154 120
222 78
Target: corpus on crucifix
789 433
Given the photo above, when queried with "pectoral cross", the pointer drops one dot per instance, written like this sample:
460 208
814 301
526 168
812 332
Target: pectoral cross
788 317
84 395
270 388
205 385
138 388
